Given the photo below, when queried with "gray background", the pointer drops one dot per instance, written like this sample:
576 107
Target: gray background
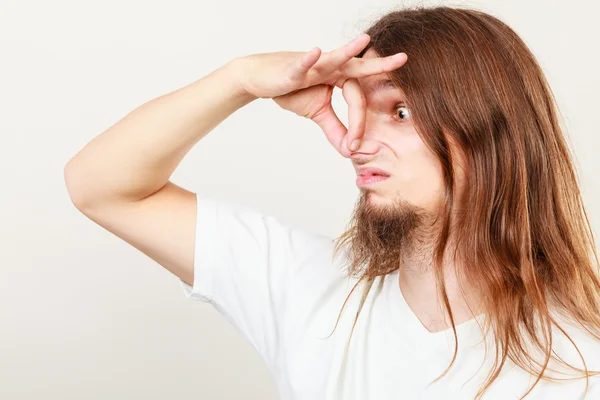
83 314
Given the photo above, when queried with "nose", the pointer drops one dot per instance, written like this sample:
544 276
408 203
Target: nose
369 144
360 158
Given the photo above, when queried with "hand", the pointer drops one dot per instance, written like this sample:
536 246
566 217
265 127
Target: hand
302 82
314 102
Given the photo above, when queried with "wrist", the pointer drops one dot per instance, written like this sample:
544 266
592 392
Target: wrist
235 70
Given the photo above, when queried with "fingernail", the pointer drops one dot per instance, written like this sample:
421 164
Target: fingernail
354 145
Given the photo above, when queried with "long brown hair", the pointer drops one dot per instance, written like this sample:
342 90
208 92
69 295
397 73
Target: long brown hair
523 235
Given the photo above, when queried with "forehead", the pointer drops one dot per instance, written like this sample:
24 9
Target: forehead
370 53
378 83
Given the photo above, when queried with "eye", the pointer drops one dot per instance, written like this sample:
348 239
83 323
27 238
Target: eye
401 112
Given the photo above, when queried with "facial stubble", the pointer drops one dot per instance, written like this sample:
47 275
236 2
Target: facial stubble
381 237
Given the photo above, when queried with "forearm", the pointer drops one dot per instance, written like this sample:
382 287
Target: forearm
136 156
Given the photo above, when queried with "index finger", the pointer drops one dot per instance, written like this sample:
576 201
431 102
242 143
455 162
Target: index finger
361 67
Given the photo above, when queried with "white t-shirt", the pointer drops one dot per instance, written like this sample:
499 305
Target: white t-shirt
282 289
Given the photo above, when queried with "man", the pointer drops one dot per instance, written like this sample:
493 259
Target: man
467 247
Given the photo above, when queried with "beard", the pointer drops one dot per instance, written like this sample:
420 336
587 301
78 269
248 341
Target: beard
381 238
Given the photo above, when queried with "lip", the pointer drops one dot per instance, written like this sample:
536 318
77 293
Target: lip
365 180
371 171
370 175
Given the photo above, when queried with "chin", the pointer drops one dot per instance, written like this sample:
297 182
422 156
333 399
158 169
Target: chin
378 197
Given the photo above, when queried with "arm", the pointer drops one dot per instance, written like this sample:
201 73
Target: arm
135 157
120 179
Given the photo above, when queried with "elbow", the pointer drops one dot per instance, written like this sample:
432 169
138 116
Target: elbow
75 186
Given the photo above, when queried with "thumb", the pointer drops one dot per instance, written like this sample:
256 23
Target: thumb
335 131
305 63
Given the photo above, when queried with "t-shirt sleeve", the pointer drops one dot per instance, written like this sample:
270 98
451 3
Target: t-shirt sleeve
244 265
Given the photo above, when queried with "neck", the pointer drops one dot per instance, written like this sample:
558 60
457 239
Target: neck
417 282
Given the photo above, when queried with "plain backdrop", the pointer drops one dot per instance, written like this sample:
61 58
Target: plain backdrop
84 315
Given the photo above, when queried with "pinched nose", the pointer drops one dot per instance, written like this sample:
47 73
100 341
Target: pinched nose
366 153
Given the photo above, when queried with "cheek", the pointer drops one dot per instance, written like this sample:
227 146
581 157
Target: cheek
428 187
415 159
420 175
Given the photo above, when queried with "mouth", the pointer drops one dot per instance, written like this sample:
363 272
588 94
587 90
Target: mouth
372 172
370 179
370 176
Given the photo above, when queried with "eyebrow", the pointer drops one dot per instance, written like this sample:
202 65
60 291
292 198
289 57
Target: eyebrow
380 85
